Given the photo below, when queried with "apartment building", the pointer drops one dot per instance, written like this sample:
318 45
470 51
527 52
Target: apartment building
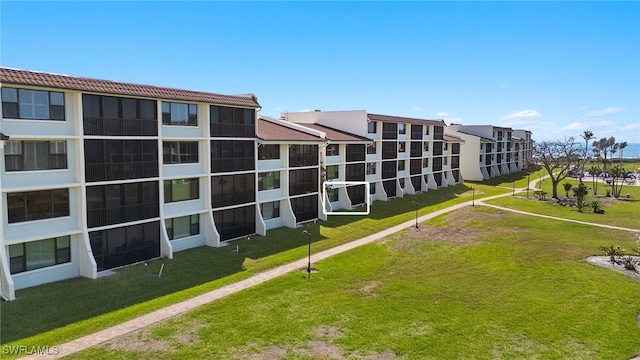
98 174
491 151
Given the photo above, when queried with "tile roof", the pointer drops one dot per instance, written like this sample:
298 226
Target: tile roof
25 77
483 139
274 132
454 138
334 134
3 136
399 119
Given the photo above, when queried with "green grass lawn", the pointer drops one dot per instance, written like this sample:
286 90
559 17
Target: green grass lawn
54 313
621 212
479 283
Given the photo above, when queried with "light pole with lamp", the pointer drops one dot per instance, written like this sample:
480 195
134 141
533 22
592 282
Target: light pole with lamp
473 196
416 204
513 187
305 231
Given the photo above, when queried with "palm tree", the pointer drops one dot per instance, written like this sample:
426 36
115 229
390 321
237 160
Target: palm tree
586 135
621 146
594 171
617 172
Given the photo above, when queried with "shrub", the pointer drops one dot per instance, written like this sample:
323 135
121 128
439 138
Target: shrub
597 207
612 251
539 194
630 263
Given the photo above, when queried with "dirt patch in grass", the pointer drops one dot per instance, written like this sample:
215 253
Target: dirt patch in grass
370 288
144 340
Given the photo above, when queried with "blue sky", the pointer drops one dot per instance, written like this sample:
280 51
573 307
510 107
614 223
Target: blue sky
553 68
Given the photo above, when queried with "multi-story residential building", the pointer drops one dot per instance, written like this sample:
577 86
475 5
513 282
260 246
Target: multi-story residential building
99 174
403 155
490 151
96 174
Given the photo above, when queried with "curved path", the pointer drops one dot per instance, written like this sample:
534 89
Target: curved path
190 304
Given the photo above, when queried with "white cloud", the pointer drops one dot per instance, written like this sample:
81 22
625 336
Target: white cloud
450 118
522 114
607 111
442 114
417 109
632 126
576 126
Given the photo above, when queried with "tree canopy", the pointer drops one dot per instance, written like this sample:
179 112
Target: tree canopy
558 158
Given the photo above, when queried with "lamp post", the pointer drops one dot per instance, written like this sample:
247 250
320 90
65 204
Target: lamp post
416 204
513 187
305 231
473 196
528 181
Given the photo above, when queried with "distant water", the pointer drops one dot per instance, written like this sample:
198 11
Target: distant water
631 151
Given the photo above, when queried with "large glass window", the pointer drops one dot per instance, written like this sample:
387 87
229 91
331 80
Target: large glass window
332 194
389 130
32 104
110 115
36 205
38 254
179 114
270 210
107 160
401 165
181 190
125 245
305 208
118 203
303 181
182 226
269 180
229 155
355 152
227 190
269 152
180 152
402 128
232 122
236 222
303 155
35 155
371 149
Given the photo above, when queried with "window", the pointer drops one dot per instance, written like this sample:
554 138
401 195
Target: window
425 163
437 148
438 133
303 181
371 148
372 188
179 114
270 210
445 161
371 168
179 152
183 226
446 146
426 129
402 147
119 203
416 149
415 166
269 152
227 190
35 155
38 254
303 155
401 183
110 115
125 245
389 150
305 208
237 222
425 146
354 172
402 128
107 160
333 150
36 205
389 169
32 104
416 132
371 127
332 194
332 172
401 165
232 122
232 155
181 190
389 130
355 152
269 180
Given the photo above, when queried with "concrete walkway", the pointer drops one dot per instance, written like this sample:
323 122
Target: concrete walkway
138 323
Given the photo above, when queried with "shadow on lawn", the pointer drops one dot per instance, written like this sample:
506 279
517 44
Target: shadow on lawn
55 305
51 306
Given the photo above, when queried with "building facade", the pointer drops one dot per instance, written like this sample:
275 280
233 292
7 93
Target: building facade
97 174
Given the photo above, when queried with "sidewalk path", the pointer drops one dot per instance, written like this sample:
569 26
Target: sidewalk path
138 323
